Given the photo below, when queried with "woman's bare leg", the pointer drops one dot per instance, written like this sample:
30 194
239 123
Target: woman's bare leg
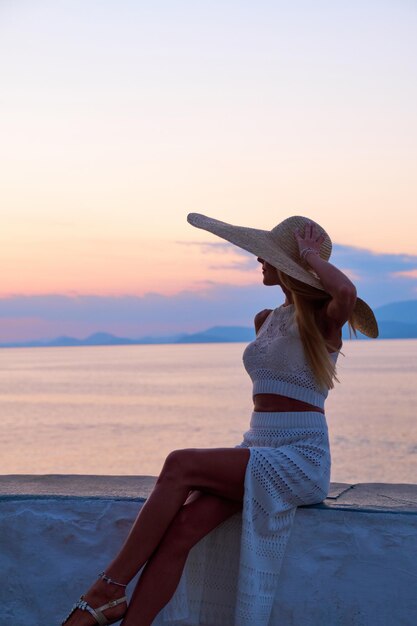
219 471
192 522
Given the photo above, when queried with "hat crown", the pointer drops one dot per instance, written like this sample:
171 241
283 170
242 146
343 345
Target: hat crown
284 236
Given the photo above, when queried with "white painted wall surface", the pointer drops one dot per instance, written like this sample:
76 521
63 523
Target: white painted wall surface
342 568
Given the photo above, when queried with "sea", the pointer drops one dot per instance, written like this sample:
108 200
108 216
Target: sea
121 409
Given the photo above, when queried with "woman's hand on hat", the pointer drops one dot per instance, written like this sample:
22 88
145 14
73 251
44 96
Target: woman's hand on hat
311 242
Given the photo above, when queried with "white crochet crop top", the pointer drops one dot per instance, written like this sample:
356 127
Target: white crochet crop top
276 363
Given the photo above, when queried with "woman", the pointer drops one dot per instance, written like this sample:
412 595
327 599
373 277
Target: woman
283 461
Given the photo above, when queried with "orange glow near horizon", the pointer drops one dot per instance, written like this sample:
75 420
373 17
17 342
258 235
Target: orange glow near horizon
105 265
119 268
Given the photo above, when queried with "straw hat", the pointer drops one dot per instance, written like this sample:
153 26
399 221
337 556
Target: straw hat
279 248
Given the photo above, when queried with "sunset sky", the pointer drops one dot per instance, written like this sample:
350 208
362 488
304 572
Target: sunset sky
119 118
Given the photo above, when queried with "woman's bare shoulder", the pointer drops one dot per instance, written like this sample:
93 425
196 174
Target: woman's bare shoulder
260 318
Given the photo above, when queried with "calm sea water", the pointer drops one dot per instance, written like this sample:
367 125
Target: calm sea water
120 410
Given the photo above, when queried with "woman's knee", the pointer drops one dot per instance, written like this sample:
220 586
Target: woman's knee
177 466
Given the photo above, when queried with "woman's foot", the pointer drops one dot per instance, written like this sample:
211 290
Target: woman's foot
98 595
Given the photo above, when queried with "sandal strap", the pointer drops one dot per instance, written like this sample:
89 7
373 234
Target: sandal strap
109 605
69 615
99 617
96 613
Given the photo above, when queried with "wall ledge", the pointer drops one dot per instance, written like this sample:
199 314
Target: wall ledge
365 497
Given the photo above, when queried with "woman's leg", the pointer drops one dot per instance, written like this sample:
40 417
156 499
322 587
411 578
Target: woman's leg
194 520
219 472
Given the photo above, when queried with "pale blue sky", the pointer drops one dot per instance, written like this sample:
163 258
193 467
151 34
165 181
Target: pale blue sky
145 111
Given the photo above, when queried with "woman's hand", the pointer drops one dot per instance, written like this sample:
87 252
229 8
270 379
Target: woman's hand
311 242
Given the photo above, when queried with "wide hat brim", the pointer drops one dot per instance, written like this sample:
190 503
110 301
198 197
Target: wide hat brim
280 254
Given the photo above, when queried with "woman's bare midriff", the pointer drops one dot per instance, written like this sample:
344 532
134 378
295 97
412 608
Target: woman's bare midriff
271 402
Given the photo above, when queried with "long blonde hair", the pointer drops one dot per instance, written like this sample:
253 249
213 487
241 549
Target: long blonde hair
307 302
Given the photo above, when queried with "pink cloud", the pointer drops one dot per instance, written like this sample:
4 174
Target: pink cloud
406 274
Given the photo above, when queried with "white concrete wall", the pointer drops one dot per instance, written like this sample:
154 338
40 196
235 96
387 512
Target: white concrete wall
342 567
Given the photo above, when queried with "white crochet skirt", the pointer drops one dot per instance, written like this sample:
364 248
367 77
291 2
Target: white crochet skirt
231 576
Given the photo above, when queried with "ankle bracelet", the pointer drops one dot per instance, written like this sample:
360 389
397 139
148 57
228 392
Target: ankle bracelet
108 580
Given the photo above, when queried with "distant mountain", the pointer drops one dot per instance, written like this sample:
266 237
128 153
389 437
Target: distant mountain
397 330
397 320
217 334
405 312
97 339
221 334
388 330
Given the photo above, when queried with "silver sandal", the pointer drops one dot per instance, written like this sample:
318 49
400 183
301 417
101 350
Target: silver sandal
97 613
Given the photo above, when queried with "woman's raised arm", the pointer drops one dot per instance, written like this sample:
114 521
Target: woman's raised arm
335 282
